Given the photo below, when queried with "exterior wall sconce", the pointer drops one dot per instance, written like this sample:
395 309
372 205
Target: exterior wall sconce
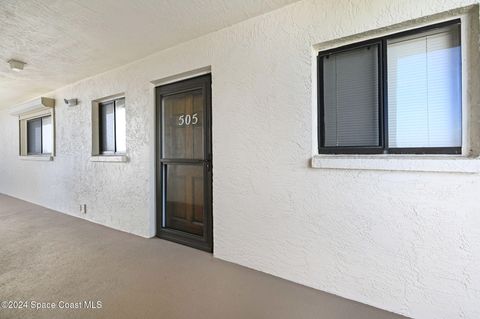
71 102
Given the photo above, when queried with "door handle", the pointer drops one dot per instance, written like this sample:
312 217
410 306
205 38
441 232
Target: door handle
208 164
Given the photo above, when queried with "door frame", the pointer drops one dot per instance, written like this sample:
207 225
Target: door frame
204 242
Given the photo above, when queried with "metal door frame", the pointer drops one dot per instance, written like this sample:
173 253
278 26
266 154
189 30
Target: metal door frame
204 242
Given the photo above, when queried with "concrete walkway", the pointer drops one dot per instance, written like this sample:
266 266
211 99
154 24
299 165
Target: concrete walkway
48 258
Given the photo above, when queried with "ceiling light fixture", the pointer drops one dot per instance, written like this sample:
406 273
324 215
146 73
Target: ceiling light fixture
16 65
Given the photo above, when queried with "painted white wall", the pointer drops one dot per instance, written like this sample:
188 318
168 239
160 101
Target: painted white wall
404 241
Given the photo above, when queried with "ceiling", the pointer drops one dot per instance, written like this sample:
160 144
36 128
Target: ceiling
63 41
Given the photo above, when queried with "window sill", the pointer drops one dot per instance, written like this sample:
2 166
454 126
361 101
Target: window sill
45 158
413 163
109 158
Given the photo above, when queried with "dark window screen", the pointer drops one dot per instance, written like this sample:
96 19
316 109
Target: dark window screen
351 98
34 136
107 127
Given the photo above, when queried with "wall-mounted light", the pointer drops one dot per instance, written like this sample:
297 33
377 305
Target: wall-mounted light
71 102
16 65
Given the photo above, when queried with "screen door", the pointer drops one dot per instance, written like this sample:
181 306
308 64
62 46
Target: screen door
184 162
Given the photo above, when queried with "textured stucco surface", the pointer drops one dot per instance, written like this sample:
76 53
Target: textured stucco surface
63 41
408 242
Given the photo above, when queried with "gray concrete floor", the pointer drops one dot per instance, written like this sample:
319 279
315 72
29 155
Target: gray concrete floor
46 256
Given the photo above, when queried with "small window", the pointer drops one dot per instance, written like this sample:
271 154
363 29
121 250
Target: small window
39 136
112 127
397 94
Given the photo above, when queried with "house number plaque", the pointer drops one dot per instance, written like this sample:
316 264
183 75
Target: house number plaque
187 119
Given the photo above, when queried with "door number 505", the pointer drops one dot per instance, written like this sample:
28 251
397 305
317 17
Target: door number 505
187 119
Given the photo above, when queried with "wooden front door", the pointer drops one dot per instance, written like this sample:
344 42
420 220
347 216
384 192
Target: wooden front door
184 162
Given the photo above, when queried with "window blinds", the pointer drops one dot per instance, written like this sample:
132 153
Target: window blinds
424 90
351 103
120 126
34 136
107 133
47 142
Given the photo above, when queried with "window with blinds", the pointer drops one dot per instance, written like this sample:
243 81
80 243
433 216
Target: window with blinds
39 136
397 94
351 105
424 90
112 127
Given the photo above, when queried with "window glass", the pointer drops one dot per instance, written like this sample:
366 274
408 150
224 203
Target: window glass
47 139
120 126
185 198
107 127
424 90
351 97
182 123
34 136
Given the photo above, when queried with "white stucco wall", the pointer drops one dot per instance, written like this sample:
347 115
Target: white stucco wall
404 241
